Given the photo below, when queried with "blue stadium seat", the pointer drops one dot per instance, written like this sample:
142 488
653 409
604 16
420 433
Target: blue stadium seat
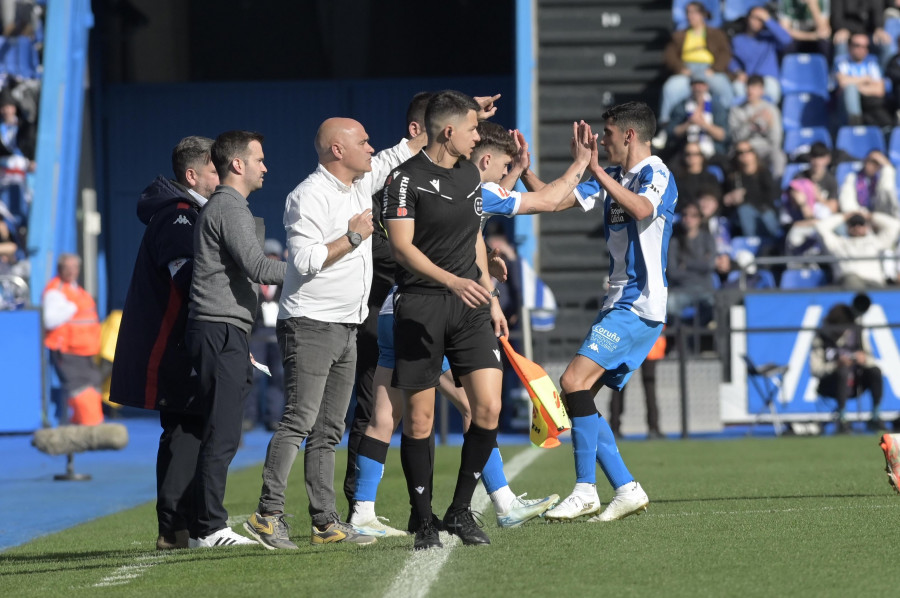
680 20
859 141
804 73
894 145
799 110
802 278
892 27
716 171
766 280
799 140
845 168
790 171
733 10
751 244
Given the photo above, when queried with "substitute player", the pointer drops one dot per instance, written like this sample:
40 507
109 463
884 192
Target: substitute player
638 197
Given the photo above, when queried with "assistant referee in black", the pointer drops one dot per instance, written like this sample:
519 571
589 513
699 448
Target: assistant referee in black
445 305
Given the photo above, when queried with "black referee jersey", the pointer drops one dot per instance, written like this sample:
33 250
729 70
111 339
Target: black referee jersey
446 206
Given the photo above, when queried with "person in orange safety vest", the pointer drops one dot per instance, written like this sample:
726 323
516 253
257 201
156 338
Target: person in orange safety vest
73 338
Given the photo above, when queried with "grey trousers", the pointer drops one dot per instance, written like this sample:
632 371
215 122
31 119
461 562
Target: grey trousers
319 370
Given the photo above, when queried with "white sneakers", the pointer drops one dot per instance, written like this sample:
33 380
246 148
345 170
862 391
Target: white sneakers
224 537
524 509
366 522
630 499
578 504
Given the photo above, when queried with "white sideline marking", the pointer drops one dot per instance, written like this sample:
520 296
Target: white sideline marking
423 567
126 573
855 507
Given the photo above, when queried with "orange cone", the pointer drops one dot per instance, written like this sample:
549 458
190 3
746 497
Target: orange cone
548 415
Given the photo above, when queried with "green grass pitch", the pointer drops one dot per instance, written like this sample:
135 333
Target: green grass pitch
746 517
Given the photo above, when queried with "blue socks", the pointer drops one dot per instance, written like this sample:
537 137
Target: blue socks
370 468
584 444
608 456
492 475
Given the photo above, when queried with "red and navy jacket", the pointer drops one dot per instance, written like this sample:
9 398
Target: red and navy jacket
152 368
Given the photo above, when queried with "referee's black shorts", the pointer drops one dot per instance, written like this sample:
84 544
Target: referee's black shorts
427 327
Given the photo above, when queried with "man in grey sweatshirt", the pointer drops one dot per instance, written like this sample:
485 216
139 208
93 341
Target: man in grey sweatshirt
228 266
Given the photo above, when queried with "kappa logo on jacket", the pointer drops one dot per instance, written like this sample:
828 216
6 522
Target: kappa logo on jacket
182 219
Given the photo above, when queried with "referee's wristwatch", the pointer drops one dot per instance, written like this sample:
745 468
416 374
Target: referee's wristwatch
495 293
354 238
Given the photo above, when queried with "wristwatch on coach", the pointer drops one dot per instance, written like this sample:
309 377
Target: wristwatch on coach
355 238
495 293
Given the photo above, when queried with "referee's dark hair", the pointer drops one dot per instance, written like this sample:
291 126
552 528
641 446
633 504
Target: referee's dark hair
493 136
445 106
191 152
416 111
231 145
633 115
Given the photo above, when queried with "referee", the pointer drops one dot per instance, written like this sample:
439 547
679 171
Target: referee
445 305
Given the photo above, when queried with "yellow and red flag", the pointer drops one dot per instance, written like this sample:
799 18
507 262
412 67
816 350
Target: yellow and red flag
548 415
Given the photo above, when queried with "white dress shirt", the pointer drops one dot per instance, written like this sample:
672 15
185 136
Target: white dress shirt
316 213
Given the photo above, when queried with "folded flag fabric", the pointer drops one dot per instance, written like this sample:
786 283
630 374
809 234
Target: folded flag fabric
548 415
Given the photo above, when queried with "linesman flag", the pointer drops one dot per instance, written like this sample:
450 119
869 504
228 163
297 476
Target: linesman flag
548 415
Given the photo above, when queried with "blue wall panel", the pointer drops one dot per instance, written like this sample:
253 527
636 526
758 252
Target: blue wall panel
142 123
20 370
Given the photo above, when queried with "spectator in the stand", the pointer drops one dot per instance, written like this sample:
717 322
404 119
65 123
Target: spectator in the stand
892 73
758 122
9 248
648 379
819 172
869 234
752 278
702 120
693 175
724 265
756 52
73 338
690 267
872 188
842 359
709 202
18 17
861 88
697 50
750 194
812 195
17 145
808 22
859 17
266 403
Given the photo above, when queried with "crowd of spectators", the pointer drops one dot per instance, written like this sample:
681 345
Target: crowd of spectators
20 47
782 127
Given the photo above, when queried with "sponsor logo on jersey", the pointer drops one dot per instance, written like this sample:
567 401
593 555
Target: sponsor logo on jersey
401 195
436 184
617 215
182 219
601 337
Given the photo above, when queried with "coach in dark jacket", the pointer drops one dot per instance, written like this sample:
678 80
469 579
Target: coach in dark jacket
152 368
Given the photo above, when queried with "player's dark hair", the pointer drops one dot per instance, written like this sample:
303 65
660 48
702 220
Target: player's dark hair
191 152
494 136
416 111
755 80
633 115
231 145
445 106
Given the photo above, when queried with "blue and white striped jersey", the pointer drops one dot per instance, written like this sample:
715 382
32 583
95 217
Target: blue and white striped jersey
497 201
637 249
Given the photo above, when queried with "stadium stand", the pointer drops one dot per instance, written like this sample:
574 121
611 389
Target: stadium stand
859 141
802 278
802 110
799 140
680 20
804 73
845 168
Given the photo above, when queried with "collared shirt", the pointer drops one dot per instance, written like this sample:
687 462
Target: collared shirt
316 213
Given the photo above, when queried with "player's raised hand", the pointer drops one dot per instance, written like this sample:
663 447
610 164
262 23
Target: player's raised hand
488 106
362 223
471 293
581 142
522 159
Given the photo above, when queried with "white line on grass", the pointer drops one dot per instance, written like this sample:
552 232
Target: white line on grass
126 573
855 507
423 567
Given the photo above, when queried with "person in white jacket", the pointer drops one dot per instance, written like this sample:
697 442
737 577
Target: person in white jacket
872 188
869 234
